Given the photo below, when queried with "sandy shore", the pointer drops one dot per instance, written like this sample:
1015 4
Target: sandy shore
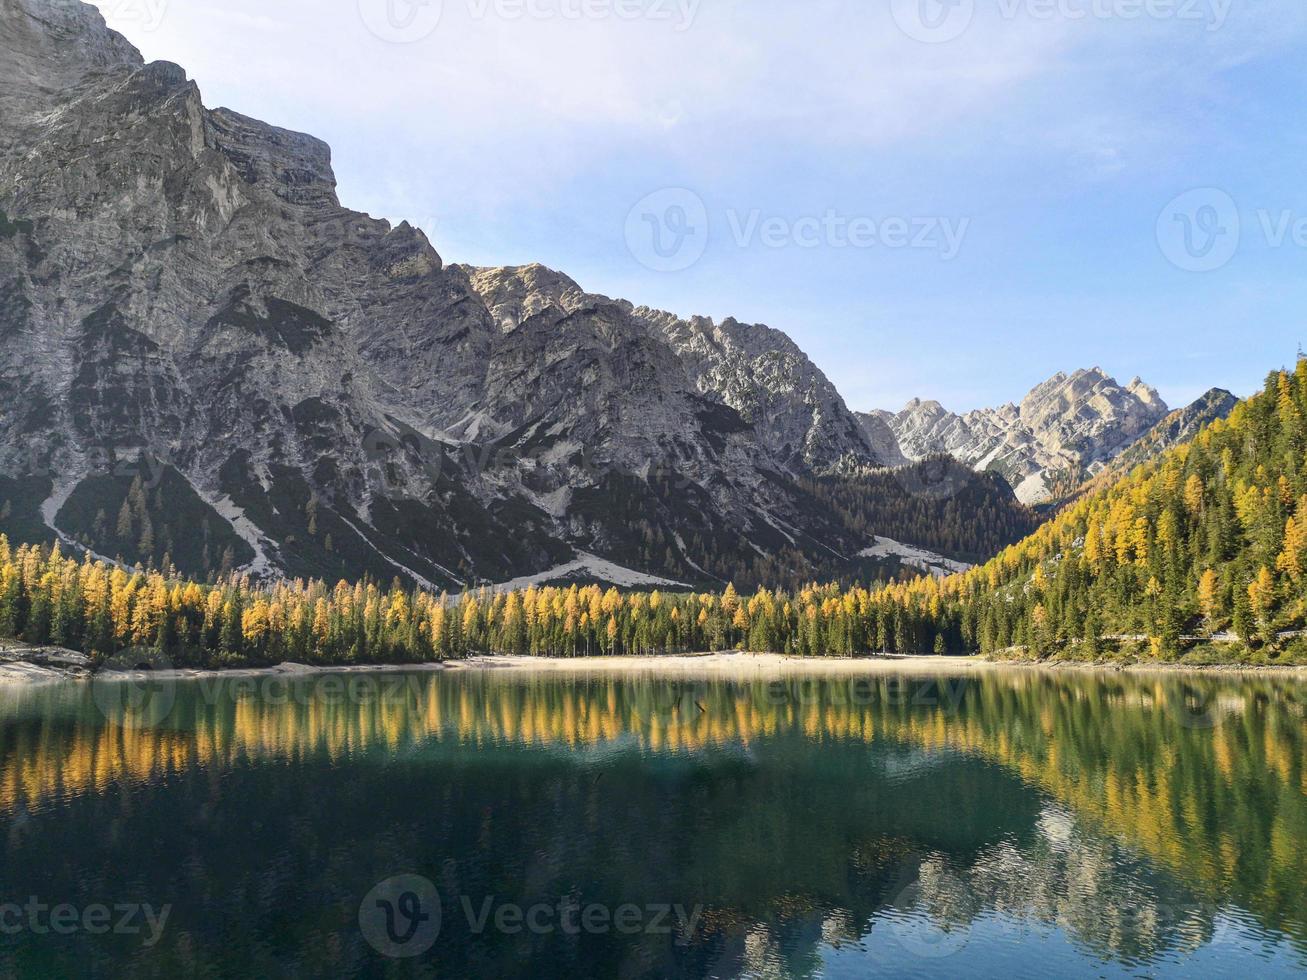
731 662
34 664
63 665
32 673
774 663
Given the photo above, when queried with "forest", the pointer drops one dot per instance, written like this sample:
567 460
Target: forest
1204 547
938 504
1207 543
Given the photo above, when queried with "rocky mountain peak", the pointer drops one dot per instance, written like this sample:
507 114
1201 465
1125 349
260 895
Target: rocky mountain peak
753 369
61 39
514 294
296 166
919 406
1069 423
50 48
1146 393
324 396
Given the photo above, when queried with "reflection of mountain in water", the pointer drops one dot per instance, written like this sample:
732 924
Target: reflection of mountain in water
1205 776
1093 889
801 824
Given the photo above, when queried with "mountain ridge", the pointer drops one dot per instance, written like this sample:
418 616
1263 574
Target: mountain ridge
1073 422
799 414
184 292
194 324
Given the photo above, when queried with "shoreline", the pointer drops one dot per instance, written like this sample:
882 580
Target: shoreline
48 665
874 664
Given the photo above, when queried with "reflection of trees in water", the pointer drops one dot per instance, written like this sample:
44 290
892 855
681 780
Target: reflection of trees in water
1204 775
823 814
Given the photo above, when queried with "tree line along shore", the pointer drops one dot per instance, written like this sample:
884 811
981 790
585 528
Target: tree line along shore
1200 554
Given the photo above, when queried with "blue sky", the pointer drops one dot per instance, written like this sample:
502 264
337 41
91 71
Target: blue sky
948 200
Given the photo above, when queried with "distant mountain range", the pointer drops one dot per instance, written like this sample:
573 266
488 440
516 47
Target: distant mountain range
206 359
1064 431
1204 545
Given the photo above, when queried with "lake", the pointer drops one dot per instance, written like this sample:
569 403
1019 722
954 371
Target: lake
518 823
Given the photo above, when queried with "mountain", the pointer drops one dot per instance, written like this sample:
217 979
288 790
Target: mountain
206 359
1175 429
880 434
760 373
1069 424
1205 543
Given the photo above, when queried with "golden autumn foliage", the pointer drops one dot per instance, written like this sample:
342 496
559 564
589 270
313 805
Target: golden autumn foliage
1211 535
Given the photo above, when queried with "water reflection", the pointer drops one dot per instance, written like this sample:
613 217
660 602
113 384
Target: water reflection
818 824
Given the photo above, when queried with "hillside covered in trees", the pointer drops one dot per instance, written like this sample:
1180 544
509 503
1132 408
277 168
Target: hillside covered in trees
133 617
937 503
1206 545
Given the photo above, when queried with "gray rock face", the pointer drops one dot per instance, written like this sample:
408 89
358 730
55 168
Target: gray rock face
1068 424
880 434
763 375
797 414
1176 428
182 285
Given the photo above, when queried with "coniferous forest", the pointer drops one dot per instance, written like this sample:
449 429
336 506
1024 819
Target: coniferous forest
1205 547
937 503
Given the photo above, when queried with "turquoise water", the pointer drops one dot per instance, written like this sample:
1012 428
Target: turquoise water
506 824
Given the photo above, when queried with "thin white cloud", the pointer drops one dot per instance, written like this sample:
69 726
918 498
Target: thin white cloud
513 140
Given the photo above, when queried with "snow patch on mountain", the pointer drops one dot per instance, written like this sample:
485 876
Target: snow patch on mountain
554 503
680 544
1033 488
420 579
50 508
590 567
261 566
920 558
54 503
